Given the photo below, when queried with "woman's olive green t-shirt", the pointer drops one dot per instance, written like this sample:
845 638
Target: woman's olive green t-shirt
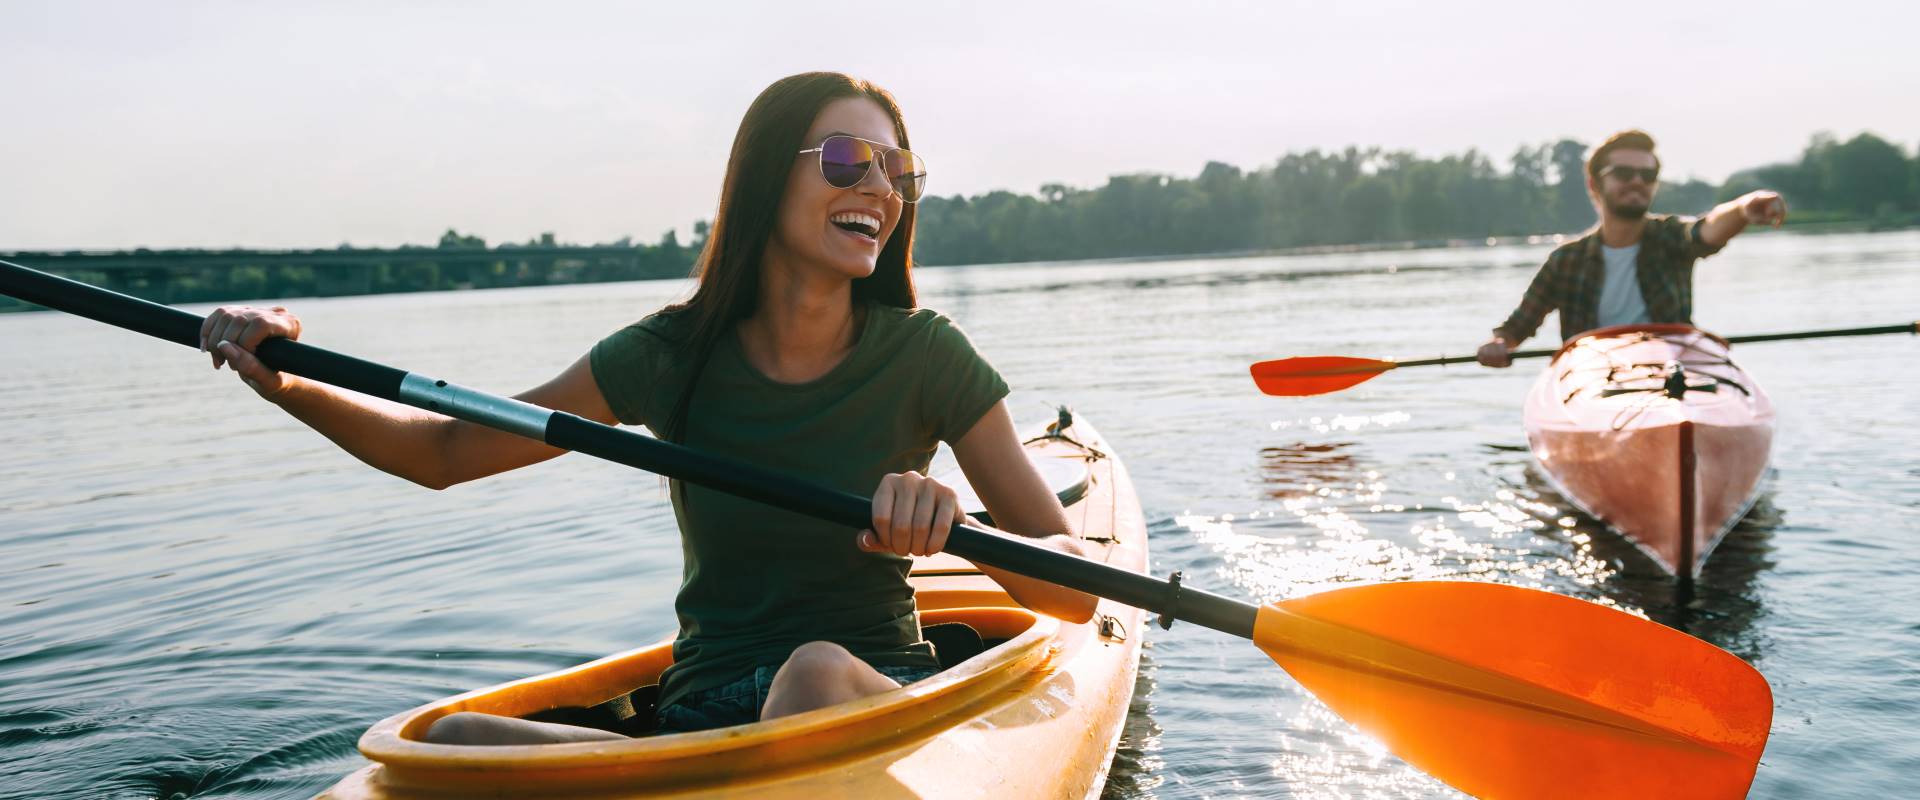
757 581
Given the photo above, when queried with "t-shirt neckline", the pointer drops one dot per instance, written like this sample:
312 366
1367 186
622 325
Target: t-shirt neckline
739 354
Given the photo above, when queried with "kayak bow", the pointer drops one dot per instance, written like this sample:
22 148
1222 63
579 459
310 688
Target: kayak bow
1657 433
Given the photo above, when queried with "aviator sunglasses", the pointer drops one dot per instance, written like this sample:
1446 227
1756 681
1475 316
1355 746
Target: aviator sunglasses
846 160
1626 173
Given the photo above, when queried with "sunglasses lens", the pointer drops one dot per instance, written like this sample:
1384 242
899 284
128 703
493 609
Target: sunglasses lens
1648 174
844 161
907 173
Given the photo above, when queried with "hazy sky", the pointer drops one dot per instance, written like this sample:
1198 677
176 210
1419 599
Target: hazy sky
311 124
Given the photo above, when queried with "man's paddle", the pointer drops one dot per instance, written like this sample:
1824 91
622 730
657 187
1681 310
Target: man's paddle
1310 375
1498 690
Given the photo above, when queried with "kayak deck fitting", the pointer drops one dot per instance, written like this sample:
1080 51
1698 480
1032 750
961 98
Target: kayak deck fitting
1037 714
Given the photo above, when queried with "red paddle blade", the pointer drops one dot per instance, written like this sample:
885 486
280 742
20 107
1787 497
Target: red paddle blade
1310 375
1510 692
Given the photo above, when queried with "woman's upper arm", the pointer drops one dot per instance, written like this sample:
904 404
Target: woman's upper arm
574 391
475 451
997 467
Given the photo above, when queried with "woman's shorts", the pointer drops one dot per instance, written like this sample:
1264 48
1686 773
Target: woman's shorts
739 702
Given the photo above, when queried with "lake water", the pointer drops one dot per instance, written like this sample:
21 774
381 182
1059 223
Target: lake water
199 597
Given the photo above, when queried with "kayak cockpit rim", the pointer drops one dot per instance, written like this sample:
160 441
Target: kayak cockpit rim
1029 646
1651 328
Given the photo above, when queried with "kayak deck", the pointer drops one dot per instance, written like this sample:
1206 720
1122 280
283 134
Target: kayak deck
1671 474
1037 714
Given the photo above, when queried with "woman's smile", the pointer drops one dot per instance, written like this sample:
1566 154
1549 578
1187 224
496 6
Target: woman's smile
860 225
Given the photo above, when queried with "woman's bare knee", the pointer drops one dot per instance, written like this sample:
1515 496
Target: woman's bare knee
820 674
816 661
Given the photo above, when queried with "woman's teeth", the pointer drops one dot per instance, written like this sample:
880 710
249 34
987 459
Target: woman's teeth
858 222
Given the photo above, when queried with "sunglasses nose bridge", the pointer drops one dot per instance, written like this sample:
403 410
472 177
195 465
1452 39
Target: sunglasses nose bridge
877 170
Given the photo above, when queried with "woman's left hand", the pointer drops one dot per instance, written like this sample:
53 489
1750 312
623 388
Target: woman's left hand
912 515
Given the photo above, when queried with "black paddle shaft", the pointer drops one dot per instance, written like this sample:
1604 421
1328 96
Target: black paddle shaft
1911 327
572 432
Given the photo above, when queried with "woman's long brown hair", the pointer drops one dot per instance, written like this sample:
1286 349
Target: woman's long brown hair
770 137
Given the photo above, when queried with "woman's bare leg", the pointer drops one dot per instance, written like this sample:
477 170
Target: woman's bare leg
821 674
469 727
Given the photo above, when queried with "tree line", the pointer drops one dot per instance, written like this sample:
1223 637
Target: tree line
1351 197
1357 196
459 261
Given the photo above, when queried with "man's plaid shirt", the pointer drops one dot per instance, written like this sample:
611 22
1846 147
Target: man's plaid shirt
1571 280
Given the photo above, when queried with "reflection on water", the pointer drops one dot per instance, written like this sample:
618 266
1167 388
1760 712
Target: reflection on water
1138 768
1300 469
219 604
1209 279
1718 606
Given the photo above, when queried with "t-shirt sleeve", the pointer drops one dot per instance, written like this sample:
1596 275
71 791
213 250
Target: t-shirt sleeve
628 366
960 386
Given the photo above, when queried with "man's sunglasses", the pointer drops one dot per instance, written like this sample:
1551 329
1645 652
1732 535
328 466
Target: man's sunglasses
846 160
1626 173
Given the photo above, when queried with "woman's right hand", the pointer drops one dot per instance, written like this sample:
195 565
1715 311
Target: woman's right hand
231 333
912 515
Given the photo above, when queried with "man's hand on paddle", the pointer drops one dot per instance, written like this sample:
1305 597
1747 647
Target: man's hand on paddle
1494 353
231 333
912 515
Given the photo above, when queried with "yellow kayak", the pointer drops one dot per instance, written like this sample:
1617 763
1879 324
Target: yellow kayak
1038 713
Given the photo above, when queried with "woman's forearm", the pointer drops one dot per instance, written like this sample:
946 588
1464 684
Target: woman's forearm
1047 598
421 446
393 438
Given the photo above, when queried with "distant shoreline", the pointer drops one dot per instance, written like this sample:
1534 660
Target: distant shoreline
199 276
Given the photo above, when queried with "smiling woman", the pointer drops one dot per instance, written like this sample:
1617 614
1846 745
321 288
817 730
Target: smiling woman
801 349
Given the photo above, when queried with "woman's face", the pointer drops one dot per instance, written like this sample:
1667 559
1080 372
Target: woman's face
841 230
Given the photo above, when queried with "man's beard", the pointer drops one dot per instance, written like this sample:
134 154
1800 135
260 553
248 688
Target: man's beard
1628 210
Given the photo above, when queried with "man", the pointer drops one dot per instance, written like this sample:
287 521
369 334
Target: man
1634 267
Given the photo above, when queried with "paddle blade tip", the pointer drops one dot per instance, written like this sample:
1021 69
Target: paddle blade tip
1305 376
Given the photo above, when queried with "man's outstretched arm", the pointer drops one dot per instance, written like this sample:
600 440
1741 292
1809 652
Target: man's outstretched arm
1728 219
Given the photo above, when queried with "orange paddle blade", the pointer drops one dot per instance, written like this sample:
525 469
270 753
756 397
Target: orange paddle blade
1510 692
1309 375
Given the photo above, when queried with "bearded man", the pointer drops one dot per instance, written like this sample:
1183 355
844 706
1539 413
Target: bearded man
1633 267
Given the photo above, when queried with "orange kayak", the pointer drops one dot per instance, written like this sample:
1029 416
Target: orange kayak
1655 431
1037 713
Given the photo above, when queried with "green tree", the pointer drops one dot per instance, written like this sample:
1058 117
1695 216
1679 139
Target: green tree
1527 196
1867 174
452 240
1573 208
1691 196
1367 210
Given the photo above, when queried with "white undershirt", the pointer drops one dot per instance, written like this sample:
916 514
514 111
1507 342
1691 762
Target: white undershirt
1620 300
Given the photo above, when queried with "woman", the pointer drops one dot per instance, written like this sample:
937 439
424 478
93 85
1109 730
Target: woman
802 350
